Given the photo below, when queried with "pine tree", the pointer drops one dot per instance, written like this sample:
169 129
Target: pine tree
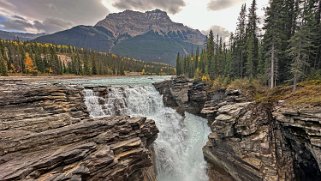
3 66
94 68
250 58
86 65
302 46
317 64
197 57
299 52
252 46
240 43
210 53
178 65
272 40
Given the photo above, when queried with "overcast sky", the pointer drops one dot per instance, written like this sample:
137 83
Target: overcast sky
47 16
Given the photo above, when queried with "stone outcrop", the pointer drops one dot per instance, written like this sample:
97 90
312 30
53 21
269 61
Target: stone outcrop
183 94
302 130
252 141
46 134
246 142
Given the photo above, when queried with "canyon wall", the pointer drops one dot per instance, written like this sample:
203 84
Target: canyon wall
251 141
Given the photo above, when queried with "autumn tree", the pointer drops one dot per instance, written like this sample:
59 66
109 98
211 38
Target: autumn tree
29 65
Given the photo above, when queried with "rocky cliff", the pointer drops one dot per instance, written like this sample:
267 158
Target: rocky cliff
47 134
134 23
251 140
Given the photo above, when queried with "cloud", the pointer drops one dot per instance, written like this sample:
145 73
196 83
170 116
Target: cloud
172 6
15 24
218 30
50 25
217 5
20 24
50 15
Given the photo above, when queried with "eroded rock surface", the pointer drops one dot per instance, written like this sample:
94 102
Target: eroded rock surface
46 134
302 130
183 94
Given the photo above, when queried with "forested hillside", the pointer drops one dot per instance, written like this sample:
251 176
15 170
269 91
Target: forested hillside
287 49
39 58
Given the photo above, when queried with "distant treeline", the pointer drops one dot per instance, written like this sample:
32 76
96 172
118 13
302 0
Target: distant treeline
40 58
287 49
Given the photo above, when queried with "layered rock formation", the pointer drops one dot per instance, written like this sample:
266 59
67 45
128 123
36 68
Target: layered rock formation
302 131
183 94
47 134
245 140
250 140
134 23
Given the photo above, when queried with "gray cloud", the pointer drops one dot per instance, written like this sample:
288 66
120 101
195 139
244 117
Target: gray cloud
16 24
172 6
218 30
50 25
19 17
50 15
217 5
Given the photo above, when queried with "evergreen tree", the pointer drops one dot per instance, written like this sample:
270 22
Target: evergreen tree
86 65
252 46
3 66
94 68
197 57
210 53
178 65
240 43
299 52
250 58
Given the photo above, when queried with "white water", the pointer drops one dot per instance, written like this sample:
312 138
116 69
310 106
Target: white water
178 148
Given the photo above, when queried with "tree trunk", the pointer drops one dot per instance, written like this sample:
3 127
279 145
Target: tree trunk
272 68
295 81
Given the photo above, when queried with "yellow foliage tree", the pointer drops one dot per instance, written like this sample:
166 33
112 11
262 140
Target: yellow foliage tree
29 66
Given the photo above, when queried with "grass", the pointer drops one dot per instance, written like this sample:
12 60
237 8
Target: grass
250 88
308 93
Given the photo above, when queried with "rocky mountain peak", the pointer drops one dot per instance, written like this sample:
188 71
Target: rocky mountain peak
134 23
157 14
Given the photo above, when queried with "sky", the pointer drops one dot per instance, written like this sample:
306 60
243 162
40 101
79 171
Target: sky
48 16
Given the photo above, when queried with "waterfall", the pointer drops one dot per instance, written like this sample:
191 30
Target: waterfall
178 148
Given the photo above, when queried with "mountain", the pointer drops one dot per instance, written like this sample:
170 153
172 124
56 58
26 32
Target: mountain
136 23
97 38
18 36
150 36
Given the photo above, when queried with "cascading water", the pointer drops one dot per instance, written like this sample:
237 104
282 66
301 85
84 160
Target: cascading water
178 148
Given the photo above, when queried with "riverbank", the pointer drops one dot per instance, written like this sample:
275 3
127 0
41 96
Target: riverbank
27 78
274 137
